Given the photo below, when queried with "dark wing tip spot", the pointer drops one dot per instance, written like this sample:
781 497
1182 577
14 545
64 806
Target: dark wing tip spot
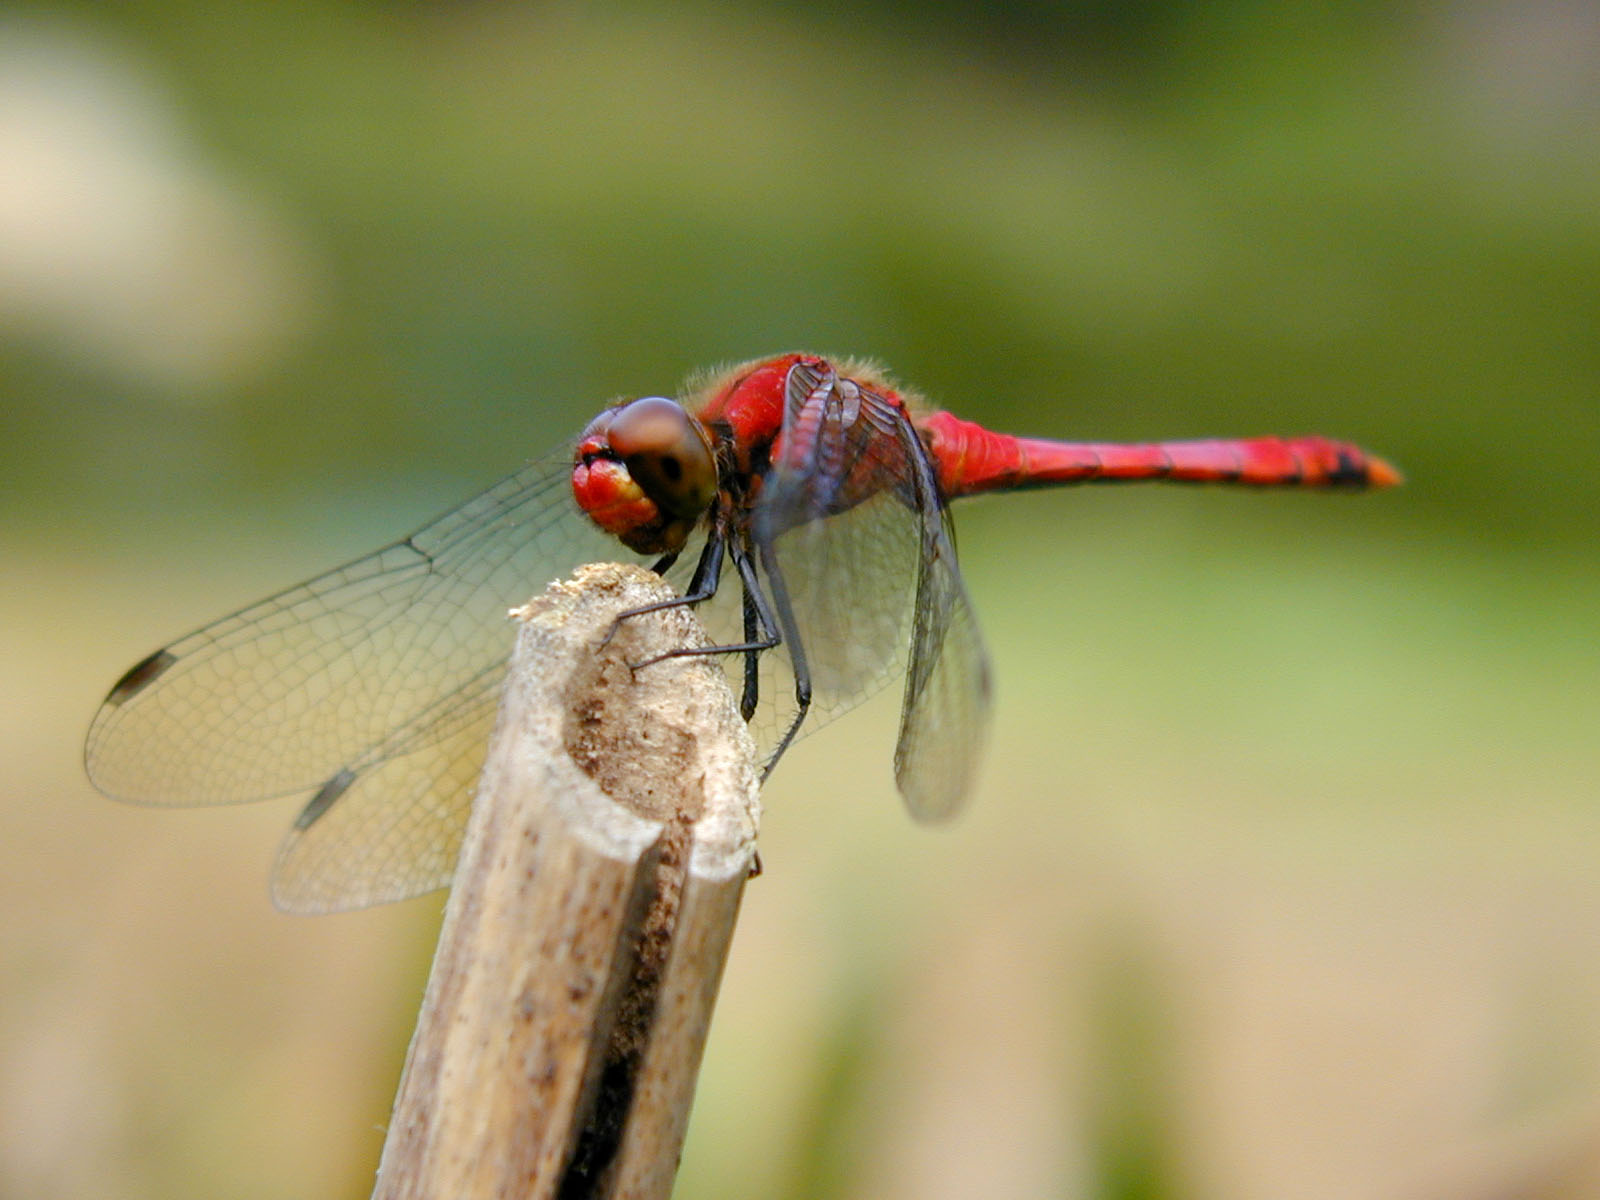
323 800
140 676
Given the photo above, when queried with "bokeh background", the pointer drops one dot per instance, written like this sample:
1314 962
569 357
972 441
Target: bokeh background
1281 879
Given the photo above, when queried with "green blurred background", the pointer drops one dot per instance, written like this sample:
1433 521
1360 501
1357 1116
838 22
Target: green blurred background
1280 880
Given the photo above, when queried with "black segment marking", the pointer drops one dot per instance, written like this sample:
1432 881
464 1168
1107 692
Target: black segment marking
323 800
140 676
1350 472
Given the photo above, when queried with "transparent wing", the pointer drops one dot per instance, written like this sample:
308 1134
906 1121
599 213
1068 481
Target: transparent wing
849 581
944 718
861 540
396 827
369 689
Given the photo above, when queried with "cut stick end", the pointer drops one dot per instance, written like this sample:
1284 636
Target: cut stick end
594 902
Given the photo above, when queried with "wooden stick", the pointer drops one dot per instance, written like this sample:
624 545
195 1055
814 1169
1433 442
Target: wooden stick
613 830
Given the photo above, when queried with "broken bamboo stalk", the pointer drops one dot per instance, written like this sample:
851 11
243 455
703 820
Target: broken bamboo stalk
586 931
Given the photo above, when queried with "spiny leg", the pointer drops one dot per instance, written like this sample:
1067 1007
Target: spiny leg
751 693
768 623
763 638
784 610
702 586
757 616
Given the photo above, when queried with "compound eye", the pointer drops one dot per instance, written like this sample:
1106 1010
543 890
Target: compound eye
667 453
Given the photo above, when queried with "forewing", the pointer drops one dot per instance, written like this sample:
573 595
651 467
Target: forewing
274 699
279 696
368 689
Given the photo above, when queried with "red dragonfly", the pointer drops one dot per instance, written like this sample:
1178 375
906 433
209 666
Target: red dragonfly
370 690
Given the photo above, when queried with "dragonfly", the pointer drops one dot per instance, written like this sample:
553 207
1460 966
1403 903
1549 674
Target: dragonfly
822 488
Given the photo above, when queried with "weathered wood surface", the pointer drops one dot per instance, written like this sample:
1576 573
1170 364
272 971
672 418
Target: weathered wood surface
562 1029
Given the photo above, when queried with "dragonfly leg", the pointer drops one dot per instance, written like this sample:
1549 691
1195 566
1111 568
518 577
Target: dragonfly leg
751 692
761 631
784 610
757 618
702 586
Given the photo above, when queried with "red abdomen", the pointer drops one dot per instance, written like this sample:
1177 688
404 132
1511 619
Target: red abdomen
973 459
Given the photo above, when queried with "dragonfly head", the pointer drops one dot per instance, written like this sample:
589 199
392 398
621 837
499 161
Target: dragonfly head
645 471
